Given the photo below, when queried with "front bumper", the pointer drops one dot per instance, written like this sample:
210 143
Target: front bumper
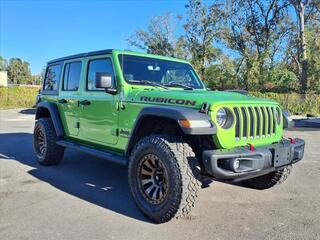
242 163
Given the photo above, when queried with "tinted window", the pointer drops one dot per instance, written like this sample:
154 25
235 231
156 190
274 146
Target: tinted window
51 81
71 77
98 65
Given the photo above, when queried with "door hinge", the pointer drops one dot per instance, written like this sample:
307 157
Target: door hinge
120 106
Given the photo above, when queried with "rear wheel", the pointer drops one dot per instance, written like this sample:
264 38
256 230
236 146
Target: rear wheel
44 143
163 177
269 180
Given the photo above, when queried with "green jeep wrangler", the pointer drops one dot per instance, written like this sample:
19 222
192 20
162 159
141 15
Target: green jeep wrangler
154 115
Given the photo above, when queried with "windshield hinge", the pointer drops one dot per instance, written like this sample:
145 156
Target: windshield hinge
204 108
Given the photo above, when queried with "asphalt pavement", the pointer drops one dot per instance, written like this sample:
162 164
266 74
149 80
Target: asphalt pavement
88 198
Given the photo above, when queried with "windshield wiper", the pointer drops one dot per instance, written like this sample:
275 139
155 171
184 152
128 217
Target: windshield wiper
185 87
147 82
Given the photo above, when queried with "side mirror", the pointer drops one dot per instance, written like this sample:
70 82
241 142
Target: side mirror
103 80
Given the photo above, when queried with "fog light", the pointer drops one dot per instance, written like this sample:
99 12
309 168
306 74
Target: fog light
236 164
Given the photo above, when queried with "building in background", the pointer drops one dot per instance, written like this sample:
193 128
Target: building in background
3 79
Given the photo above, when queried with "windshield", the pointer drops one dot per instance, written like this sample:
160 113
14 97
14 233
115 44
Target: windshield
138 70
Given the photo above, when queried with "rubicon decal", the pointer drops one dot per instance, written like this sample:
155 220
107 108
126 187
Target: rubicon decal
168 100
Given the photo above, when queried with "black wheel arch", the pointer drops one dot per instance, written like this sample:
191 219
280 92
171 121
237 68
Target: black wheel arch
49 109
170 115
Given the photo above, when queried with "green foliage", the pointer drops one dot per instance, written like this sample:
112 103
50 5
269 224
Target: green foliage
181 48
201 29
36 79
293 102
19 71
280 79
17 97
3 64
313 39
221 76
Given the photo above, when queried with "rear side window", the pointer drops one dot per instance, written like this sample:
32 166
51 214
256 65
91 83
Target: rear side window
98 65
51 81
71 78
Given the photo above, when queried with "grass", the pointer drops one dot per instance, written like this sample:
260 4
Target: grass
17 97
294 102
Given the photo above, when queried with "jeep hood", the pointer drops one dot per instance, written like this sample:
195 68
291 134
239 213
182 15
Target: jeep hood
194 98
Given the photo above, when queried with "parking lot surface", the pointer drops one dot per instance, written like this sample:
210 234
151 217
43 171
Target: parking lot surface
89 198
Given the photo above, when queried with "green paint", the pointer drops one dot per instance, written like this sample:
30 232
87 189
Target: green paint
109 119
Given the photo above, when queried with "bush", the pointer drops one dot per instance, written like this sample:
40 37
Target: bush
17 97
280 80
293 102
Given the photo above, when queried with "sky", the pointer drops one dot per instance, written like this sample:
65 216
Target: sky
38 31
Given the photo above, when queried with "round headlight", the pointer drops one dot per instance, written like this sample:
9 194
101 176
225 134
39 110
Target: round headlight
277 114
221 116
224 118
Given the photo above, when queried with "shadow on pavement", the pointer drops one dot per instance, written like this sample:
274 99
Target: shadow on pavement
28 111
307 123
91 179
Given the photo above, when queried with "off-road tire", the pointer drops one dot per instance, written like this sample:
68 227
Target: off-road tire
269 180
53 153
183 171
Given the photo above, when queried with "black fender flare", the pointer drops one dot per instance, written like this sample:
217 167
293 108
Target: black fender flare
176 114
55 116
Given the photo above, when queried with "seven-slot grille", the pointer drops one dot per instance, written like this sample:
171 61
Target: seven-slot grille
254 121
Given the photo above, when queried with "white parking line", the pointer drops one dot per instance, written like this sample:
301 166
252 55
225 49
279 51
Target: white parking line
6 157
13 119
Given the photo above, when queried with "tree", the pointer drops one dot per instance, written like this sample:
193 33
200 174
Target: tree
305 10
35 80
201 29
181 49
18 71
313 50
257 31
3 64
222 75
268 45
280 79
159 37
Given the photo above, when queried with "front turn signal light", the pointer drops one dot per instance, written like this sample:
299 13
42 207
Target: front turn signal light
194 123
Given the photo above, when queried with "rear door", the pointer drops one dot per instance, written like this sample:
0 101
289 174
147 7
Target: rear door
69 96
99 114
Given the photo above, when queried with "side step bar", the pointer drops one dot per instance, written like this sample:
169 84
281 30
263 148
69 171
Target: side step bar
95 152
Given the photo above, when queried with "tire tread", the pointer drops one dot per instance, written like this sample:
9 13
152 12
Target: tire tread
54 152
186 168
269 180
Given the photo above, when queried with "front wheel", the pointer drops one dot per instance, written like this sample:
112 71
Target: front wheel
269 180
44 143
163 177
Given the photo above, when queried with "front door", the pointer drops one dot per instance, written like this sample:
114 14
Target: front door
98 109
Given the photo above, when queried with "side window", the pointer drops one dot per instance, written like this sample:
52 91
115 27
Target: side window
98 65
51 81
71 76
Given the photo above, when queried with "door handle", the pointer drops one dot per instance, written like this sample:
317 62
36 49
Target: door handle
62 101
85 103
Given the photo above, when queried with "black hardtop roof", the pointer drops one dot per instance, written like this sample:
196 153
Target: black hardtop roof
80 55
